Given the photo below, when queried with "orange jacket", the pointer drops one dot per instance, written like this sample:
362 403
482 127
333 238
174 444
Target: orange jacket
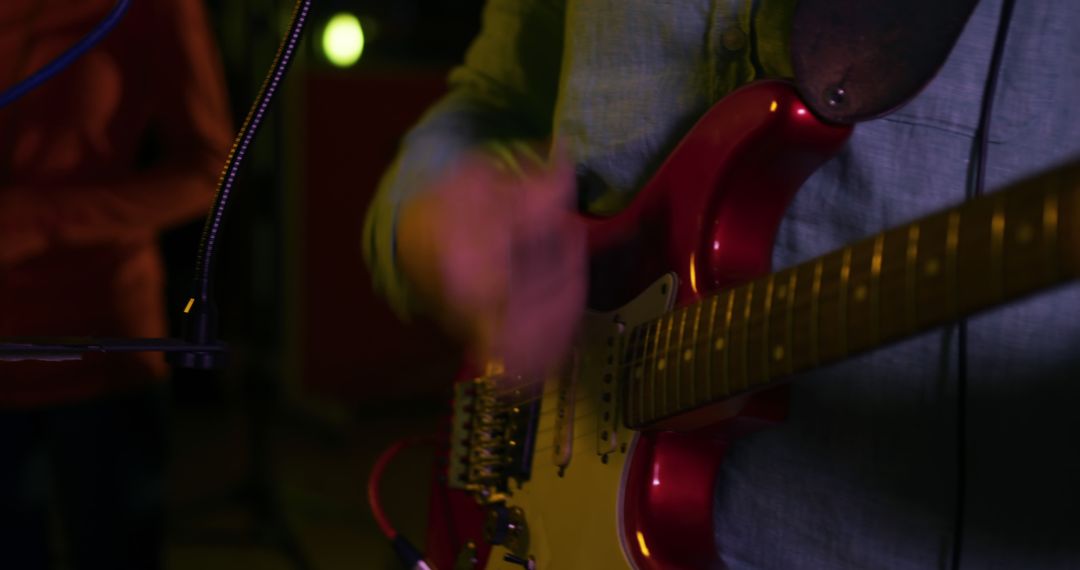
80 201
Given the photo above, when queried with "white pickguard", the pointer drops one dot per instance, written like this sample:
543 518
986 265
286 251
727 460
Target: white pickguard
574 518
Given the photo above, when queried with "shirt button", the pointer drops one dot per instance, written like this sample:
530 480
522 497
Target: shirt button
733 39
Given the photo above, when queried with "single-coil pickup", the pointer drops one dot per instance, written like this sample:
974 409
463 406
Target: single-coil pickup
607 421
562 449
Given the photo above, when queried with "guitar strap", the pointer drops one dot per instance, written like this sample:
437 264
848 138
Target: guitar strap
859 59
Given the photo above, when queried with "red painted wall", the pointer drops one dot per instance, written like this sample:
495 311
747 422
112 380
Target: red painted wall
353 348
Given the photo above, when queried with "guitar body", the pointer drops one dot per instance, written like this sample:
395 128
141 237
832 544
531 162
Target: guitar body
597 494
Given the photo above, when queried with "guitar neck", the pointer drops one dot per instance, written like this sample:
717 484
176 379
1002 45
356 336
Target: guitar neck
891 286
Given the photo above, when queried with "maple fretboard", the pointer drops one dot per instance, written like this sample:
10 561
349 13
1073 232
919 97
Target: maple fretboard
984 253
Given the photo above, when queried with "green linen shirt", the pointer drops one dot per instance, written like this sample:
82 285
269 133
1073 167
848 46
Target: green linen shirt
865 473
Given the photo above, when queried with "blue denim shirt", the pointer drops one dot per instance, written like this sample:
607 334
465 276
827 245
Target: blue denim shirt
864 473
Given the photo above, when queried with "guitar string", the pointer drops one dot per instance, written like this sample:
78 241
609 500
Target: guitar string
581 394
547 448
576 418
646 355
590 414
826 293
829 293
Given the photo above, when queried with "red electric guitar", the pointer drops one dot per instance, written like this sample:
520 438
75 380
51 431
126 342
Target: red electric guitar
612 463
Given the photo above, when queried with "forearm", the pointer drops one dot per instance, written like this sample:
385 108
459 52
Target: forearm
505 90
453 130
131 207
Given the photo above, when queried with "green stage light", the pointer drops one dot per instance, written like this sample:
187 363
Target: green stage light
343 40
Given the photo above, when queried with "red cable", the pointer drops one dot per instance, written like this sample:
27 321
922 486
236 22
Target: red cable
381 462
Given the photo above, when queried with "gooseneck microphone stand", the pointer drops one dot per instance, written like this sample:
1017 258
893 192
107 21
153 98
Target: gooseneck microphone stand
199 348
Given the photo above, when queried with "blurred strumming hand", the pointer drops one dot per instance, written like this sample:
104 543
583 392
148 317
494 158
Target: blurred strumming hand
499 258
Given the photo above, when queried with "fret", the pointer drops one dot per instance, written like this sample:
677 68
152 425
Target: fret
1023 265
875 289
697 350
681 356
886 287
842 321
1050 233
815 308
997 243
670 366
710 349
624 380
662 365
638 368
766 346
725 344
789 317
891 307
911 274
640 362
800 351
648 395
931 290
626 374
859 311
832 343
628 383
952 239
744 346
977 257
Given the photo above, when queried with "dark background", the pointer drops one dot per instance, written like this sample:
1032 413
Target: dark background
270 456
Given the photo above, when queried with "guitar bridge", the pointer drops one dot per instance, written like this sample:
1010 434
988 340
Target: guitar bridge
460 426
492 438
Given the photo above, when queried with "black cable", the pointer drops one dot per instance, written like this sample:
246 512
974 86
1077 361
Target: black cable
982 135
975 189
961 442
200 319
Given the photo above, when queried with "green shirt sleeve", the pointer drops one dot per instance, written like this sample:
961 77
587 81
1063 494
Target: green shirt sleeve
505 90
